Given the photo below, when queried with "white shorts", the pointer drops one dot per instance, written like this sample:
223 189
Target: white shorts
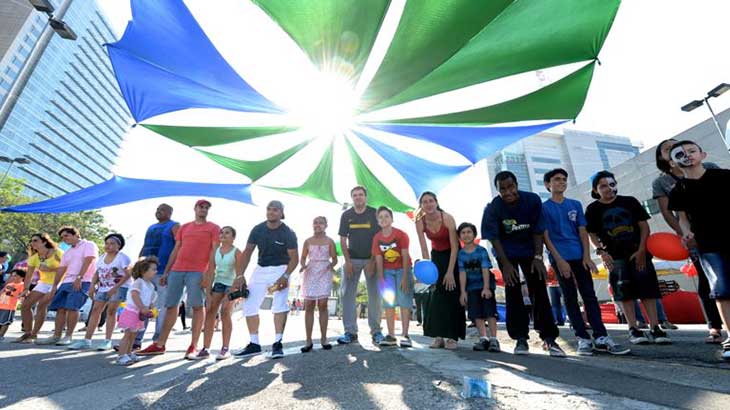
261 278
42 288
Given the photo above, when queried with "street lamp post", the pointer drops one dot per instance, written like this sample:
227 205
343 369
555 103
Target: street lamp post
715 92
55 24
11 161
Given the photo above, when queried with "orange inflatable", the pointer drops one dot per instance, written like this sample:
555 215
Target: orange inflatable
667 246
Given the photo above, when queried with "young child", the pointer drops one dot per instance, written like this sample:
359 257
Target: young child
477 288
319 257
9 299
140 299
393 266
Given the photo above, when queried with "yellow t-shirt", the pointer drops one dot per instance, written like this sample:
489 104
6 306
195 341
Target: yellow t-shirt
52 262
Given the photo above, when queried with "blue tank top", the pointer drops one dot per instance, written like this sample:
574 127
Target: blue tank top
159 241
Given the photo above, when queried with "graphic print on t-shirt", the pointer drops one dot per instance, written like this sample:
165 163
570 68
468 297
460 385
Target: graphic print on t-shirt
573 215
390 250
618 224
510 225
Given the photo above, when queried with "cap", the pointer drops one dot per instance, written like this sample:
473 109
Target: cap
203 201
278 205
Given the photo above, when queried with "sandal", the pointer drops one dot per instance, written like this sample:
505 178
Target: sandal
438 343
714 338
307 348
326 346
451 344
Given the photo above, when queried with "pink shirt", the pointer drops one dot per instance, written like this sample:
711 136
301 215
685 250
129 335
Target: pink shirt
73 258
196 243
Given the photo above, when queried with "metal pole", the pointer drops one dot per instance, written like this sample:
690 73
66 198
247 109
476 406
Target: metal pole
29 66
7 171
714 119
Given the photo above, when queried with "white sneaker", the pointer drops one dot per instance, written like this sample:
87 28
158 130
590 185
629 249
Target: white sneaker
585 347
104 345
124 360
82 344
223 354
134 357
64 341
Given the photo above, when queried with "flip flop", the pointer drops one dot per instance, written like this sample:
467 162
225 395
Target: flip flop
307 349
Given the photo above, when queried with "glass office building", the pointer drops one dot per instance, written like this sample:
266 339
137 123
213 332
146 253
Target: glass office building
70 118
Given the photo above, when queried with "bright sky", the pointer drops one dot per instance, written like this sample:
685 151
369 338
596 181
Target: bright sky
659 55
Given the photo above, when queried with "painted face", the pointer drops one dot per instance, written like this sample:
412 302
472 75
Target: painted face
686 155
466 235
607 188
319 225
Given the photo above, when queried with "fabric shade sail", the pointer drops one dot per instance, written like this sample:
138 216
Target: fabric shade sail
119 190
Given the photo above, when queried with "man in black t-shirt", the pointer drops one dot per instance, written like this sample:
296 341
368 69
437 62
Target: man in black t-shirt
704 220
358 226
278 256
618 229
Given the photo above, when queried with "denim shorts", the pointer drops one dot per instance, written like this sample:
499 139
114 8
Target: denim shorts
392 293
68 298
717 270
189 281
220 288
120 296
628 283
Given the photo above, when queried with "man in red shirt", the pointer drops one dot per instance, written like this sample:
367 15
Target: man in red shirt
188 268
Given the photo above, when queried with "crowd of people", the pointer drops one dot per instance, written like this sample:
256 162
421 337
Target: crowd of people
199 259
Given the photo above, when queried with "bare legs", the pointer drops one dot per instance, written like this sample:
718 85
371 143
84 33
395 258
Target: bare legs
309 307
216 300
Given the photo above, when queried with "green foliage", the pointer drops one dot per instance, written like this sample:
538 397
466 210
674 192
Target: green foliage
16 228
362 294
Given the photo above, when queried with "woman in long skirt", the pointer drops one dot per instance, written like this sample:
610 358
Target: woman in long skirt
444 316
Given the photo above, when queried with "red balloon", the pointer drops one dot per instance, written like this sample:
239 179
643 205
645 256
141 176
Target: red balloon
667 246
689 269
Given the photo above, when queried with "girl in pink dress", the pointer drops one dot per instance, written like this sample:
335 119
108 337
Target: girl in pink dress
319 258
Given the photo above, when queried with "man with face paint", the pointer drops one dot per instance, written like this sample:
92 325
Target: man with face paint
661 188
704 221
512 223
618 229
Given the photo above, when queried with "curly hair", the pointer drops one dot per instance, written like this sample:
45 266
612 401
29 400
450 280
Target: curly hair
142 265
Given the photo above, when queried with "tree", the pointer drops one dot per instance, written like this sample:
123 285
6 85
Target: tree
17 228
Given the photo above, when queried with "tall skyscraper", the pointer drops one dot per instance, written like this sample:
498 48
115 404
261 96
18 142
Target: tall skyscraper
581 153
69 118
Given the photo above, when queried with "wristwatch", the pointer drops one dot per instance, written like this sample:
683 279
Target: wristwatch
286 276
538 257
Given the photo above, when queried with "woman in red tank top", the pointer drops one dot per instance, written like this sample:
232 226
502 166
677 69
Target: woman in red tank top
444 317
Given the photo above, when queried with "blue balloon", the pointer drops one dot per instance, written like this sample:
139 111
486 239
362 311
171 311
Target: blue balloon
426 272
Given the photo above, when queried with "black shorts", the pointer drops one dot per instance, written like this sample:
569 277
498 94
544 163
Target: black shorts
630 284
478 307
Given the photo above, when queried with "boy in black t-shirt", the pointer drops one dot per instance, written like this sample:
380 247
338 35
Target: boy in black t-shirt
618 229
704 221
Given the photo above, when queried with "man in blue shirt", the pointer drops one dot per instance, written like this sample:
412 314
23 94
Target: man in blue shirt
158 241
567 241
511 222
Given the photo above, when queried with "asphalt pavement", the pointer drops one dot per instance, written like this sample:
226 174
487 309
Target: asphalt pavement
687 374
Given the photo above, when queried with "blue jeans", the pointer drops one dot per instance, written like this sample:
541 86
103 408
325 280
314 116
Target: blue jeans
160 304
717 269
660 313
556 304
584 281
